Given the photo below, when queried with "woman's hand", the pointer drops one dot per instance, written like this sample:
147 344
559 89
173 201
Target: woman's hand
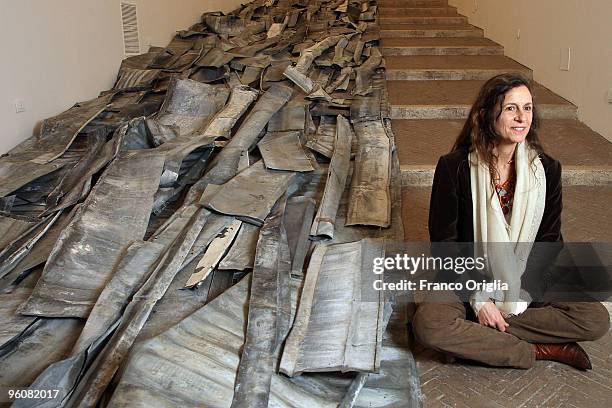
489 315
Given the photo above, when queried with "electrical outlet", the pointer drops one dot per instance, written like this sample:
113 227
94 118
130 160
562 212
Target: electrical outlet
19 106
564 60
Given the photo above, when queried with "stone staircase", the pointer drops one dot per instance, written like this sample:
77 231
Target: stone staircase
436 63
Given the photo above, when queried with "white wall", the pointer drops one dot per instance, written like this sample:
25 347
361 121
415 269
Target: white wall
547 26
58 52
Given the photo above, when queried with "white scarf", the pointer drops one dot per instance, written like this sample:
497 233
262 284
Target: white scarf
507 262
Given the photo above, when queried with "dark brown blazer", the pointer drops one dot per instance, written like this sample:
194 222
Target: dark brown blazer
450 208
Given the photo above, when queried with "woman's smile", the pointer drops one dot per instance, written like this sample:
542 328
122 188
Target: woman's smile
514 120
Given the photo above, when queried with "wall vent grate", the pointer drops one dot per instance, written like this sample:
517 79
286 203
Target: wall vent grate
129 21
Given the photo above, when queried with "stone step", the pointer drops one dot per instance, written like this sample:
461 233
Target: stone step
448 20
440 46
384 11
456 67
585 156
430 30
453 99
585 216
412 3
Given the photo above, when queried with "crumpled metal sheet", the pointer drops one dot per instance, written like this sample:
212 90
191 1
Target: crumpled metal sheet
186 158
370 202
258 60
17 238
39 345
323 140
320 390
210 74
251 194
18 251
274 73
11 229
251 76
99 375
298 72
241 255
61 376
76 183
353 342
141 61
230 25
115 213
301 80
225 164
222 124
341 82
15 172
129 275
215 58
366 108
337 174
169 56
39 252
12 324
189 104
66 374
292 116
298 220
363 77
283 151
58 132
96 140
397 383
269 313
134 78
193 363
178 303
214 253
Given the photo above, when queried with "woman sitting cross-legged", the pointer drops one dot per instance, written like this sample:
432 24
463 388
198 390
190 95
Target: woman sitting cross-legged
497 185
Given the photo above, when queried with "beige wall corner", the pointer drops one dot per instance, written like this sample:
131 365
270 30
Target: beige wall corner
59 52
546 27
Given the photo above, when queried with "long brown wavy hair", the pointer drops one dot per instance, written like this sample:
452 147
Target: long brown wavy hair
478 132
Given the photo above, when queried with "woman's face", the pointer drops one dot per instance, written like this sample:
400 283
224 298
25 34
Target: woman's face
514 122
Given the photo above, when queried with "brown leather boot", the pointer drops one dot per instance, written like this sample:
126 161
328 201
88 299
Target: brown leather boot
568 353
